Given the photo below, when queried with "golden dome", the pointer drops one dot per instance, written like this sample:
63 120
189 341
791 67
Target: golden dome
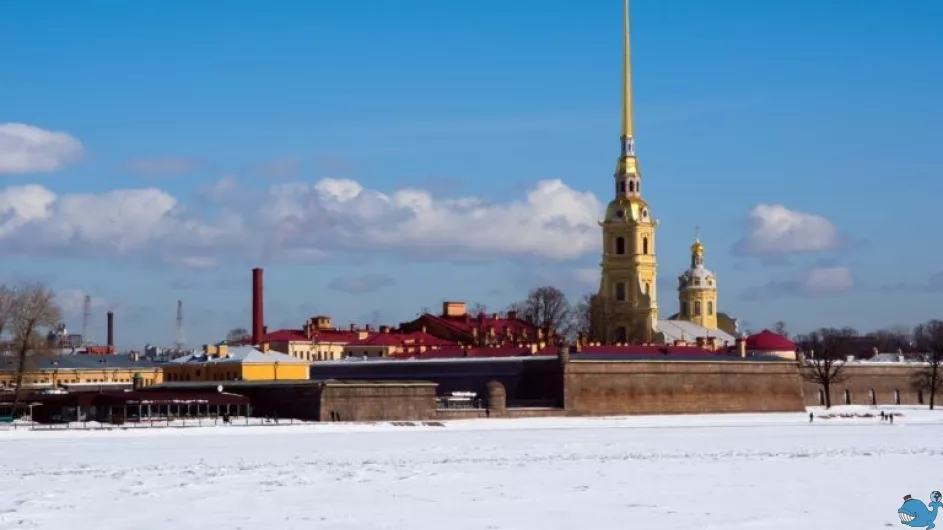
697 248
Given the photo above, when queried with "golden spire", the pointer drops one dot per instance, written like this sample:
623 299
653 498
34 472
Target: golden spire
627 125
697 249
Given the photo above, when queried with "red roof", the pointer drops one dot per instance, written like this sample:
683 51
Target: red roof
506 329
450 352
402 339
286 335
766 340
325 335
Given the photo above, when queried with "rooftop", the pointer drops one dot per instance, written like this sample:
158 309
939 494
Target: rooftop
240 354
78 362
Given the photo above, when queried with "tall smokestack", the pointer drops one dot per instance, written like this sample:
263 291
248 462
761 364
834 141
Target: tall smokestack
258 314
111 329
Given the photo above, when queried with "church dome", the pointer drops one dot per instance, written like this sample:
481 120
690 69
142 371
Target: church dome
697 248
699 277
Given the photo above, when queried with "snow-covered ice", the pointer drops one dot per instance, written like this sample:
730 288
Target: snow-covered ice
772 472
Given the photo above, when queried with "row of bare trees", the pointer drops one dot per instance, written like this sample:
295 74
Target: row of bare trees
28 311
827 351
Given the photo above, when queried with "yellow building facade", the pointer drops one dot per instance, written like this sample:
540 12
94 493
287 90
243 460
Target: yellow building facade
51 371
697 291
626 307
221 363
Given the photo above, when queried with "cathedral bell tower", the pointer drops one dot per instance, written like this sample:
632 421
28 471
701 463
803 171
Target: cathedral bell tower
626 308
697 291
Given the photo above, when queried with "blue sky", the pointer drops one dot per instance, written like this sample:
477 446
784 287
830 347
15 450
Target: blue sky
219 117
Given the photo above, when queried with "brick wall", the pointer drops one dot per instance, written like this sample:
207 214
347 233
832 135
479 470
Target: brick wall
681 387
377 401
861 380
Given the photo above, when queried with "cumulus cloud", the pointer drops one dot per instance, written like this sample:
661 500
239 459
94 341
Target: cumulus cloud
813 282
162 165
29 149
775 229
368 283
296 221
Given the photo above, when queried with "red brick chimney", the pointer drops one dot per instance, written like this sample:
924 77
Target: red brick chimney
111 329
258 314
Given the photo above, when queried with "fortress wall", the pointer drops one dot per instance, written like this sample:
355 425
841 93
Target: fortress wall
861 380
681 387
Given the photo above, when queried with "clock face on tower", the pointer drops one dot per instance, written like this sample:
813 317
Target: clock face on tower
620 213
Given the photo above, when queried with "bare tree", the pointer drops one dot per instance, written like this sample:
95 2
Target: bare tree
236 335
545 307
780 329
890 340
827 351
582 316
33 312
928 339
478 309
6 300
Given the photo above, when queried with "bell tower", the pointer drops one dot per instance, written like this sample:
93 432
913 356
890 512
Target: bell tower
697 291
626 308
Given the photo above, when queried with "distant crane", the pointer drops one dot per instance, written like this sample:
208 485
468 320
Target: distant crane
181 340
86 317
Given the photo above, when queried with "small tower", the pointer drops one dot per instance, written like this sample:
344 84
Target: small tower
697 290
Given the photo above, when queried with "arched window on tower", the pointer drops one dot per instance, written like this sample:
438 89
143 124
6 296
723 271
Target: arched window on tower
620 245
644 245
697 308
710 307
620 292
684 309
622 186
631 186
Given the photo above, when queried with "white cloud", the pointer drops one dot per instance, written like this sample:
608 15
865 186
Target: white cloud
162 165
299 221
827 280
775 229
813 282
28 149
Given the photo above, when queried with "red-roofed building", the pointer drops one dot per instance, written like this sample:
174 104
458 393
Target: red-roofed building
317 340
388 343
456 325
767 342
455 352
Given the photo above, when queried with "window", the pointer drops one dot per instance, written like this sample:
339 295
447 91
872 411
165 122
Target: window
897 397
684 309
821 397
620 245
710 308
621 334
847 397
632 186
644 245
920 397
697 308
620 292
872 397
621 186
